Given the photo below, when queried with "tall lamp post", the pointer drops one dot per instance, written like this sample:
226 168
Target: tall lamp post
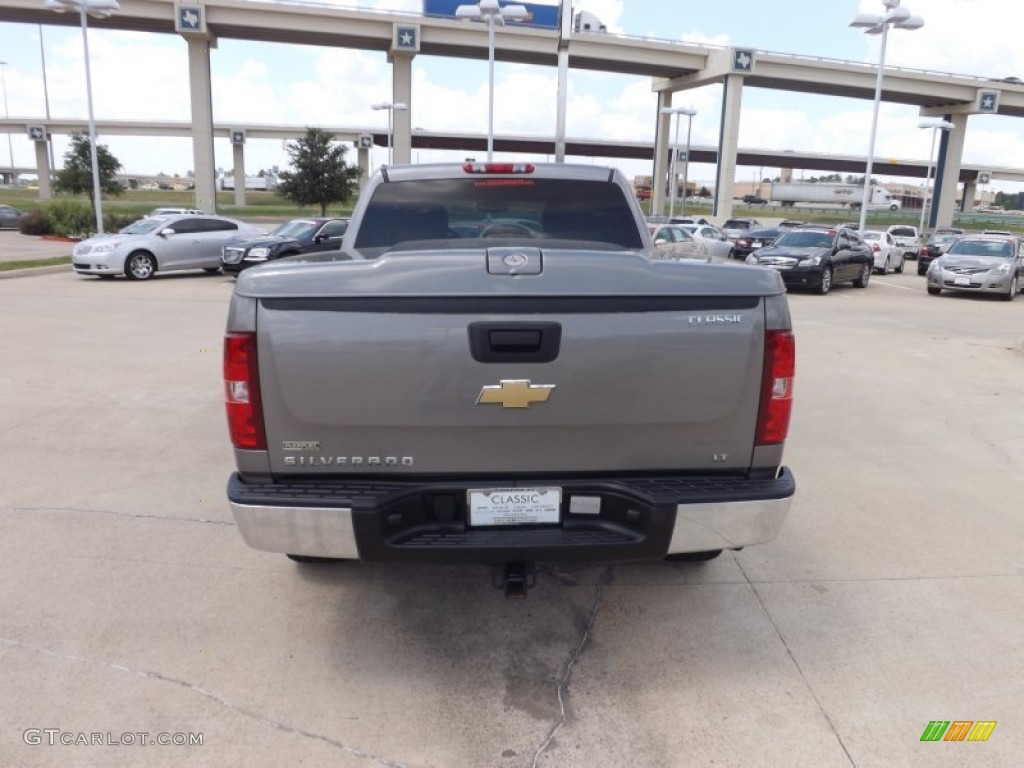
492 13
99 9
10 147
936 126
390 107
873 24
677 111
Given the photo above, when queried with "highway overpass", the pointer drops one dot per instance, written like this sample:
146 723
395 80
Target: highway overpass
672 65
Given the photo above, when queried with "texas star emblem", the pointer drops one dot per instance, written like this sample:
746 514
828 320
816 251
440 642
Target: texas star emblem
514 393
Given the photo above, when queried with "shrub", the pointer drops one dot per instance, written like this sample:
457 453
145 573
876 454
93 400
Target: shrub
36 223
71 219
115 222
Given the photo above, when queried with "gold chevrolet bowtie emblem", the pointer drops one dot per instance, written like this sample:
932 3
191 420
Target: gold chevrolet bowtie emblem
515 393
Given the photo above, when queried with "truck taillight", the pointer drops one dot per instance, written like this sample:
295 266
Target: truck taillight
242 392
498 168
776 388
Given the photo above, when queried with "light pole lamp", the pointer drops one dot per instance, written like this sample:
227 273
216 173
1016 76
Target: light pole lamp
10 146
873 24
491 12
936 126
677 111
98 9
390 107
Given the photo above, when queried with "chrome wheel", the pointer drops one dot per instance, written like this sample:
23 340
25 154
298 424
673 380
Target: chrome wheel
826 281
140 266
865 275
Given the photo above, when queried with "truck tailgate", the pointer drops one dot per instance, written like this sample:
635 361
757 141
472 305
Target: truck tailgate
399 384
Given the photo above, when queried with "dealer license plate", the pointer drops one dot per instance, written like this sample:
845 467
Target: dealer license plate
962 281
515 506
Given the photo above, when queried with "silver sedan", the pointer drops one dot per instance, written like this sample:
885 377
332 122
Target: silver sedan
159 243
979 264
718 246
672 242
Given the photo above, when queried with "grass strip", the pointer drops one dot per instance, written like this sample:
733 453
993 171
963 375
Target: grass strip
9 266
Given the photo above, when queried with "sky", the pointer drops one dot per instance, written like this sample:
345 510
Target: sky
139 76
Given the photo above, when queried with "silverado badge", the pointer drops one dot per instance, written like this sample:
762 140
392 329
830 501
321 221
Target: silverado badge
514 393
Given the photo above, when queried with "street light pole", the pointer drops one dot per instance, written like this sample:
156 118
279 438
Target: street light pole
10 146
686 160
100 9
390 107
677 111
936 126
873 24
491 12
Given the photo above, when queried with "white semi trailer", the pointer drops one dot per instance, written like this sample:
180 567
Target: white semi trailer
832 194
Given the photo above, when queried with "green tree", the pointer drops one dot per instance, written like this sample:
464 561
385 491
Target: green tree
321 175
76 175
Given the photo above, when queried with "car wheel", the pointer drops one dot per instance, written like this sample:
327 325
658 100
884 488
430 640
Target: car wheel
899 269
826 281
693 557
1008 296
140 266
934 291
885 267
865 275
211 270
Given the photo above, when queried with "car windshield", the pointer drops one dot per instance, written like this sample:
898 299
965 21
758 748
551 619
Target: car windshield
998 248
456 212
736 224
145 226
903 232
296 228
805 240
940 239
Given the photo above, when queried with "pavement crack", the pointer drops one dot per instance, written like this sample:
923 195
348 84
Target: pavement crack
796 664
561 690
123 514
150 675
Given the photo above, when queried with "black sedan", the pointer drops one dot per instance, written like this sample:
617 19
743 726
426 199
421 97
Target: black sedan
753 240
818 258
936 245
295 237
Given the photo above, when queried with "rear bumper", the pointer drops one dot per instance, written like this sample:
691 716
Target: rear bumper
639 518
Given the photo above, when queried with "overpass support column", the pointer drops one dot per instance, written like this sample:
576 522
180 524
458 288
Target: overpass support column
728 142
659 175
43 169
970 190
364 166
947 172
405 44
202 123
238 150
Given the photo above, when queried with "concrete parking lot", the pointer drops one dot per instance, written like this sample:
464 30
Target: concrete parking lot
129 603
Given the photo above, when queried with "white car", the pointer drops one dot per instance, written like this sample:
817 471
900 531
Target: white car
907 238
889 256
159 243
672 242
716 243
174 212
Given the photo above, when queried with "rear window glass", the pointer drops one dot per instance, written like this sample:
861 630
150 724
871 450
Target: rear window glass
805 240
736 224
903 232
446 213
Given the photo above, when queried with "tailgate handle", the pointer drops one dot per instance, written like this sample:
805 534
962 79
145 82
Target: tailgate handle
491 342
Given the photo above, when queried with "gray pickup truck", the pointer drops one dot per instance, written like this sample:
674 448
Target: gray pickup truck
496 368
